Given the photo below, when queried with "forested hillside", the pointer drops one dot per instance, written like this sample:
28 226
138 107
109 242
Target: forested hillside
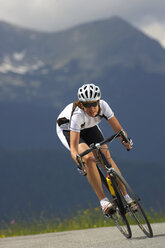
47 180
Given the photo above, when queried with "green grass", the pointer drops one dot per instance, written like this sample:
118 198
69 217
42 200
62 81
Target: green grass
89 218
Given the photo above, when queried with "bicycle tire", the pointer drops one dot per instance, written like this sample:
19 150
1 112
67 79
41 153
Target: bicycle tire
119 217
122 224
139 215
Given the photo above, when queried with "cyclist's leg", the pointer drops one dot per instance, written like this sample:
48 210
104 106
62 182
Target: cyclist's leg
107 154
92 171
93 175
94 179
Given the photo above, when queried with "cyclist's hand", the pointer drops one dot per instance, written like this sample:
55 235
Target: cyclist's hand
128 145
81 167
81 172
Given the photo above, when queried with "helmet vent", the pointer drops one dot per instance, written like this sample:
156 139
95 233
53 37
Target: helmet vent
95 94
82 96
86 93
91 93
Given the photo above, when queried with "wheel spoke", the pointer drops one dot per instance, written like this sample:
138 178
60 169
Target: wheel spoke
122 224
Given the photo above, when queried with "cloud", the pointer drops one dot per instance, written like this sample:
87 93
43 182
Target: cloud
156 30
53 15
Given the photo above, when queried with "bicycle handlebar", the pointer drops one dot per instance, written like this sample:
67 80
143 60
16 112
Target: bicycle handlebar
110 139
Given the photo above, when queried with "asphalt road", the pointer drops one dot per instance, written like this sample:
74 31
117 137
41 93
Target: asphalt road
108 237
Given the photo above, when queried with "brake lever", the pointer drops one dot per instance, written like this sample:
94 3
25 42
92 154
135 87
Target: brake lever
81 163
124 138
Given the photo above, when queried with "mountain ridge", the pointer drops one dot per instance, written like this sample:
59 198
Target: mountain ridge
45 70
83 35
79 54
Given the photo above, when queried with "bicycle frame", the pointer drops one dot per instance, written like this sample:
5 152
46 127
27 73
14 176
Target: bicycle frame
122 207
110 170
98 145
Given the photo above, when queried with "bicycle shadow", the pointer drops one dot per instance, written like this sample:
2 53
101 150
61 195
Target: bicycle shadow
145 237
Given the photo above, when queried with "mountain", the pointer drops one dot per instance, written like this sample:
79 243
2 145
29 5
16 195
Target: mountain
41 72
37 65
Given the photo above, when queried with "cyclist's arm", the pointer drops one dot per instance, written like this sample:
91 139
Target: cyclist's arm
74 142
114 123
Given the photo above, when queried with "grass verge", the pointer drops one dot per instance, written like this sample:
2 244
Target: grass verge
89 218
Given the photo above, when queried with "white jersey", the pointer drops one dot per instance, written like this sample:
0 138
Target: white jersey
81 120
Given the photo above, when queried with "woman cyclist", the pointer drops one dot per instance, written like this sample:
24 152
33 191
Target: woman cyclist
77 128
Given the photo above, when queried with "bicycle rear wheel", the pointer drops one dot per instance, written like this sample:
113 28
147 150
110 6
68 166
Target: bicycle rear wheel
138 214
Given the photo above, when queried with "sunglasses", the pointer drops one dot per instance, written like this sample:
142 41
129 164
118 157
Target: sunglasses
89 105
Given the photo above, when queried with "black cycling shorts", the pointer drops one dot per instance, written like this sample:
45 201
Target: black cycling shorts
89 136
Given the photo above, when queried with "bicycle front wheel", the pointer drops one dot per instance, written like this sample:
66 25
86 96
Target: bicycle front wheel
119 216
121 223
139 214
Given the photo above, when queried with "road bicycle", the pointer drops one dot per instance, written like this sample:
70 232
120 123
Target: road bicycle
113 181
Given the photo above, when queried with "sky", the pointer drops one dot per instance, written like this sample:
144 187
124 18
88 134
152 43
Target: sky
55 15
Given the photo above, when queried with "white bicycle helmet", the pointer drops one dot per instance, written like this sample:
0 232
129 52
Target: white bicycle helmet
89 93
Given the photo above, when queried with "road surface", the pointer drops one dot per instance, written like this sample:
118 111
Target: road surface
106 237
